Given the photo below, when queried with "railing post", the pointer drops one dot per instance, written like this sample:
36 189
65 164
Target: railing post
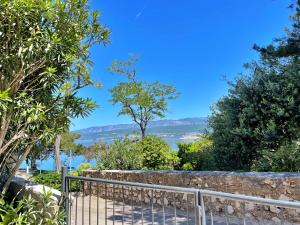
197 209
203 215
63 179
65 193
200 217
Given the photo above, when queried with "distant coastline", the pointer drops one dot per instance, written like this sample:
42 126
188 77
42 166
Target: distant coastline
173 131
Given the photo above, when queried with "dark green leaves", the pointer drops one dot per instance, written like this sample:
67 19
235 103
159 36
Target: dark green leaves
261 112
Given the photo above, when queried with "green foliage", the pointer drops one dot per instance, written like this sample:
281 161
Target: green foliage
197 155
261 112
90 152
142 101
122 154
48 58
45 61
157 153
68 142
187 166
53 180
151 153
50 179
83 166
42 150
288 46
75 173
286 158
29 211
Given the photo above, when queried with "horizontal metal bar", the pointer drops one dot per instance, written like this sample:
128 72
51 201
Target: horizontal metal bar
237 197
247 198
135 184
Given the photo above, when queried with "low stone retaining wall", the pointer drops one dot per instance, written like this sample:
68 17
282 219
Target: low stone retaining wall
284 186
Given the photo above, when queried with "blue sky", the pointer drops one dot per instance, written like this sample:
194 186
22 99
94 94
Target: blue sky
191 44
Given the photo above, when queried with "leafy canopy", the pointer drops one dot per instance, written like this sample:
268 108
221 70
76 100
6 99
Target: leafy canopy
261 113
142 101
44 62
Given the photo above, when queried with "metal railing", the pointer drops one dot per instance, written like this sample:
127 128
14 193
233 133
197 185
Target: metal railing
96 201
284 212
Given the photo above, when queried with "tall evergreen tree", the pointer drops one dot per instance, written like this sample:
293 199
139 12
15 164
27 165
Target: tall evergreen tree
262 110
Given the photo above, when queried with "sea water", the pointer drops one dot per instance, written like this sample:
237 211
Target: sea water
69 161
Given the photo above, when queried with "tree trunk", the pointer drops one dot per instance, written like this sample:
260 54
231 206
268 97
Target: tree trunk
33 165
143 131
16 167
5 120
57 153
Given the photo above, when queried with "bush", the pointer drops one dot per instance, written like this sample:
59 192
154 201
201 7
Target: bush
30 211
157 153
74 173
285 159
50 179
197 155
187 166
184 156
82 167
122 154
53 180
149 153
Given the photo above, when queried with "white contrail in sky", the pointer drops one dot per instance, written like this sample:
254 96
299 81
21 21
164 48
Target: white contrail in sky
140 12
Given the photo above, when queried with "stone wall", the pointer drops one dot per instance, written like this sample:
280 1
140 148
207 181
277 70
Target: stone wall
284 186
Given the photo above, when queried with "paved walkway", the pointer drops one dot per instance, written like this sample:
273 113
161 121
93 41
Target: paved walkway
117 212
86 214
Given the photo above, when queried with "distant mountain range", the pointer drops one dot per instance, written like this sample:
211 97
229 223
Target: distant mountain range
157 123
172 131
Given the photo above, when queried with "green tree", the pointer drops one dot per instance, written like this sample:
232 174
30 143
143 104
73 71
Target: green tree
68 143
156 153
42 150
142 101
288 46
286 158
197 155
82 167
90 152
261 112
44 62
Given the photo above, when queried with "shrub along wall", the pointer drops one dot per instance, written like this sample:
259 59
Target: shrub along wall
284 186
